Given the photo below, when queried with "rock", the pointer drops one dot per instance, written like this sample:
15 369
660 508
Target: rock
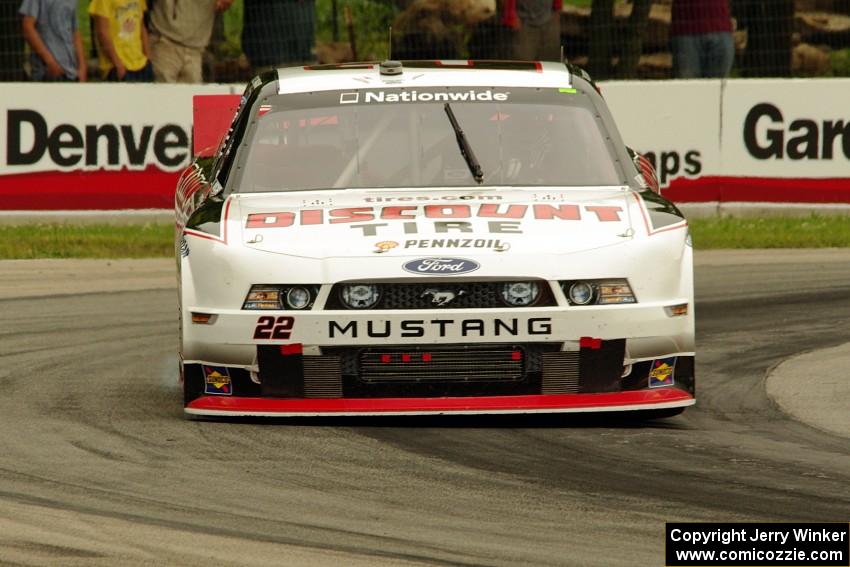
655 66
437 29
575 22
810 61
823 28
333 52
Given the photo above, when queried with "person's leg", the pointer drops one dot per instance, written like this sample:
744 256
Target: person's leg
525 43
717 54
143 75
686 60
166 61
550 48
192 66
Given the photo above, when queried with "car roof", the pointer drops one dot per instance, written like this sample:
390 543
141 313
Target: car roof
437 73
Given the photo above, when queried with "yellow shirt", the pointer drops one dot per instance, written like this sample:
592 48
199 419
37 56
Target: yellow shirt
125 29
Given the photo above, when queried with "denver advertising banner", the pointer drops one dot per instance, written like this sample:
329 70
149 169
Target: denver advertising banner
106 146
94 146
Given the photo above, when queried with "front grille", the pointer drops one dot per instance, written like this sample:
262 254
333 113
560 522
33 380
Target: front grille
488 363
322 377
560 372
437 295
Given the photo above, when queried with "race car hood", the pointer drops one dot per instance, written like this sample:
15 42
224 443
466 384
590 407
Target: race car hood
356 222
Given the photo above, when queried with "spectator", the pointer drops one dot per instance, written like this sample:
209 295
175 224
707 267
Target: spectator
56 46
701 38
277 32
180 31
122 40
537 28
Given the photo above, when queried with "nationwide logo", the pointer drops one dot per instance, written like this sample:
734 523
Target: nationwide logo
428 96
441 266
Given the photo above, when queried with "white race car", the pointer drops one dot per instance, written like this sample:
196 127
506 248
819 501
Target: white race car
428 237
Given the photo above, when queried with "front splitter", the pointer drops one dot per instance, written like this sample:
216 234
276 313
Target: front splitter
662 398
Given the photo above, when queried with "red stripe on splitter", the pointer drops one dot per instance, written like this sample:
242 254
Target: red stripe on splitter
482 404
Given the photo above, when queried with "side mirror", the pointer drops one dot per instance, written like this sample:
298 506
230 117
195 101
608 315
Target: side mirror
646 171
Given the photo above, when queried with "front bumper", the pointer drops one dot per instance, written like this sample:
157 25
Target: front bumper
232 338
659 399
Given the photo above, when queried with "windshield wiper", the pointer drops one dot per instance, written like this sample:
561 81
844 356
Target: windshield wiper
465 148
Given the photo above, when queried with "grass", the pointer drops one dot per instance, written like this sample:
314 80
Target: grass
155 240
806 232
86 241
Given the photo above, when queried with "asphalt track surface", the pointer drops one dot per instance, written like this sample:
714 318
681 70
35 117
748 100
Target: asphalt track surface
99 467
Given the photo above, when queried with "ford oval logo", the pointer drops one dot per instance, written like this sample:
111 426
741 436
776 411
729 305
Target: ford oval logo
441 266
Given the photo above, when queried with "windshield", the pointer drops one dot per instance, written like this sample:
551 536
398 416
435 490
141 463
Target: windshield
404 138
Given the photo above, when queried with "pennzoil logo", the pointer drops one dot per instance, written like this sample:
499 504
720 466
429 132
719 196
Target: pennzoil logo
217 380
661 372
384 246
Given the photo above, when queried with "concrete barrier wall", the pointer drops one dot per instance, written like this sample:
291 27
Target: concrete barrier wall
753 140
106 146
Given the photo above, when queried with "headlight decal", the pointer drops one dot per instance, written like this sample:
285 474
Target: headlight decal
613 291
281 296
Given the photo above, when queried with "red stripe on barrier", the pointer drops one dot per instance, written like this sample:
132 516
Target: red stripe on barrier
153 188
150 188
758 190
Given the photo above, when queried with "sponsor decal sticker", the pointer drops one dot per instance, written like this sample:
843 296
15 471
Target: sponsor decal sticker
349 98
384 246
492 244
471 95
446 216
441 297
661 373
217 380
441 266
419 328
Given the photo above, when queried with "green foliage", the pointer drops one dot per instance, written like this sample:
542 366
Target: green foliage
83 24
232 20
371 19
840 62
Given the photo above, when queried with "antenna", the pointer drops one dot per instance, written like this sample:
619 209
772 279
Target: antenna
388 66
563 59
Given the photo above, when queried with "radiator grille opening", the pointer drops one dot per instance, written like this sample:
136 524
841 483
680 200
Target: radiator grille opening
560 372
443 295
490 363
322 377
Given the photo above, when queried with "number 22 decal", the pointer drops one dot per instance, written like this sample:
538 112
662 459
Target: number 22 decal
274 328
